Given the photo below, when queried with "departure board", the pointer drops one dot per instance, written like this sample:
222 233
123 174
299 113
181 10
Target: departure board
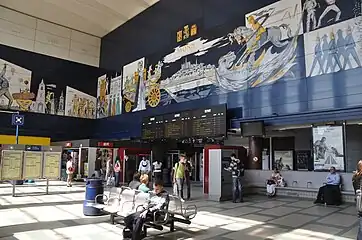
178 125
209 122
152 127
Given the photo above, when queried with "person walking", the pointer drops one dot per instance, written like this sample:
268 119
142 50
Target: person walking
117 172
109 170
188 173
70 171
179 176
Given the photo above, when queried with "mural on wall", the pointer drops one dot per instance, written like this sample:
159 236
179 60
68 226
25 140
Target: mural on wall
134 86
322 13
79 104
15 86
102 97
115 97
333 48
233 59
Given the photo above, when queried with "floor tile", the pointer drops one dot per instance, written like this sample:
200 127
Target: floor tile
319 210
351 233
257 233
258 217
341 220
294 220
279 211
240 211
301 204
318 228
268 204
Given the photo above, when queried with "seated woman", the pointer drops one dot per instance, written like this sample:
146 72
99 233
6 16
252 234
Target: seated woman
330 193
275 180
144 184
357 177
135 183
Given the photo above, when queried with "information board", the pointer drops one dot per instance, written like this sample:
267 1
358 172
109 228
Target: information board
152 127
209 122
11 165
52 161
33 165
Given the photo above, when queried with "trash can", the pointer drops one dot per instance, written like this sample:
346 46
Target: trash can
94 187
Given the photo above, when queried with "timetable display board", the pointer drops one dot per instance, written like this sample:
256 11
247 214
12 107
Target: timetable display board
152 127
51 165
178 125
33 165
209 122
11 165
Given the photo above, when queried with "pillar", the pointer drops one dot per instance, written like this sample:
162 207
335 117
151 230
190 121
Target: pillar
255 153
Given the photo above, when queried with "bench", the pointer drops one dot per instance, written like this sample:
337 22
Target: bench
130 201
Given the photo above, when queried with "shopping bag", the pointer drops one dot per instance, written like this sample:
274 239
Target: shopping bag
175 189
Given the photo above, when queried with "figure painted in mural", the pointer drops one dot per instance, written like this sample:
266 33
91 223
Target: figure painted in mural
4 87
333 55
325 48
318 57
310 7
341 44
331 7
350 49
141 104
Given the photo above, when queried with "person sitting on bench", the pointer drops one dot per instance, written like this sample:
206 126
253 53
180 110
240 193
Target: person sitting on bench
330 189
135 221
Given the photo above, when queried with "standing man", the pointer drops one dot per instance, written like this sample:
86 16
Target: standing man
179 175
109 168
188 173
236 168
98 166
144 167
157 170
4 87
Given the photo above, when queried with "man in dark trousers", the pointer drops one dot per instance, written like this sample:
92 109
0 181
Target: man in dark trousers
135 221
98 167
188 172
236 168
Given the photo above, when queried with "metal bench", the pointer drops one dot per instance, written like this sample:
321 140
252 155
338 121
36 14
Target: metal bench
179 213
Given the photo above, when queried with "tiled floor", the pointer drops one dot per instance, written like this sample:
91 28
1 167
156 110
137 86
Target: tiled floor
59 216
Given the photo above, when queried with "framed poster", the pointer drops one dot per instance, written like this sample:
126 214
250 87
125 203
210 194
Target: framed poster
11 165
302 157
328 148
52 165
283 160
33 165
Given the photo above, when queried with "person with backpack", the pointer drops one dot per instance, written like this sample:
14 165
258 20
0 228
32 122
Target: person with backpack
236 167
178 176
117 172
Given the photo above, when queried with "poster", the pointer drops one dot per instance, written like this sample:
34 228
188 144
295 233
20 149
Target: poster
79 104
302 158
52 162
115 97
328 147
12 165
102 97
32 165
133 86
15 90
283 160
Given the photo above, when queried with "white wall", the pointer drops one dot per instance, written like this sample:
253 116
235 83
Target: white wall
28 33
258 177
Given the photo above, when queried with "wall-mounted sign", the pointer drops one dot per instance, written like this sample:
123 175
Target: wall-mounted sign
34 148
186 32
68 144
105 144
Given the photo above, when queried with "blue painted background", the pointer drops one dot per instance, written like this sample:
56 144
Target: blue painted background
152 32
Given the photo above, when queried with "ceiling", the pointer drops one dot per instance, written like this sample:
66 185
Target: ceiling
95 17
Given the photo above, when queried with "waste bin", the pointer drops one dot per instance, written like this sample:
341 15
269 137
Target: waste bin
94 187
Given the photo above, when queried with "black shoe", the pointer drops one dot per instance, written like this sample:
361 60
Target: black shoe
127 233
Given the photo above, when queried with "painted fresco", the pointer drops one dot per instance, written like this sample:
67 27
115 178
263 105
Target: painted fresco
334 48
134 86
322 13
102 97
79 104
15 86
231 58
115 97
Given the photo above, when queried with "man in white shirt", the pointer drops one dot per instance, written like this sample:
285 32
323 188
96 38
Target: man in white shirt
145 166
157 170
70 171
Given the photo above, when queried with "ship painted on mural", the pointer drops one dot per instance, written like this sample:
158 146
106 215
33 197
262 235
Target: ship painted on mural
192 81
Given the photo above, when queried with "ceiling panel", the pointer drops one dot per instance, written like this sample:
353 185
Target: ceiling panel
95 17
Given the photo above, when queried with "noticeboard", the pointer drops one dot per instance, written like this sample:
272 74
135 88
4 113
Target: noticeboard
51 165
33 165
11 165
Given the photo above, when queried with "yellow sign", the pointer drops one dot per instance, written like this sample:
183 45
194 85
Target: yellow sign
186 32
52 165
12 165
33 165
193 30
179 36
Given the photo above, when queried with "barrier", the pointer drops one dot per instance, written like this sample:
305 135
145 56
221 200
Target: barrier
29 162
